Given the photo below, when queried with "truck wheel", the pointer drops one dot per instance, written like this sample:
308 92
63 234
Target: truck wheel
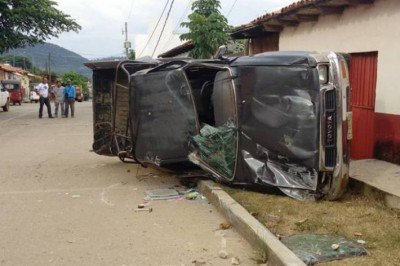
7 106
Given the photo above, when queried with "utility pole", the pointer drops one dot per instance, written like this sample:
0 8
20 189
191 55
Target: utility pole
127 44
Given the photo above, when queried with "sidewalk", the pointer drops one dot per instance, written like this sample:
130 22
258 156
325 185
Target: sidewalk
380 175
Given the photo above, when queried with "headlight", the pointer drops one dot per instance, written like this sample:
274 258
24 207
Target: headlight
323 74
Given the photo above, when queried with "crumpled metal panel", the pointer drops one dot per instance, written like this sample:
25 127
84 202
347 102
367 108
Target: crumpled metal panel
278 127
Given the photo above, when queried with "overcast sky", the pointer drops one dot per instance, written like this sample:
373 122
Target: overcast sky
102 21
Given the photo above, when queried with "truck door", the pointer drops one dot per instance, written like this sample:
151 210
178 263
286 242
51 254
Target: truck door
164 116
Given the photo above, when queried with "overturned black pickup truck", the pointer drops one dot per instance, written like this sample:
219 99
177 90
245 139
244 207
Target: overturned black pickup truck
278 119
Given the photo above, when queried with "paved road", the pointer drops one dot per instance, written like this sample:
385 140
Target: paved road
61 204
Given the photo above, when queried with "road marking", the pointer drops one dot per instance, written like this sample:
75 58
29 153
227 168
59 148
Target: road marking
103 197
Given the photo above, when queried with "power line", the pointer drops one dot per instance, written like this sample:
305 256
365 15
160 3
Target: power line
162 30
178 25
151 36
230 10
130 10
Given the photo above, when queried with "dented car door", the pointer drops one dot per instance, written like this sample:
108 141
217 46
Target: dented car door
164 116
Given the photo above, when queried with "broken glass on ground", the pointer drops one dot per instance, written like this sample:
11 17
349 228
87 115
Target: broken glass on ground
316 248
174 193
162 194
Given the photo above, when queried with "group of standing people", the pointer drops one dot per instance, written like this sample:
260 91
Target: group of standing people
64 98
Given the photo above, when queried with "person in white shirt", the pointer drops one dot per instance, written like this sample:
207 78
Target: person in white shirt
59 98
43 90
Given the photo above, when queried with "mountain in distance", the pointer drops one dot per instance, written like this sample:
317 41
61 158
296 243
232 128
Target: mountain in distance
61 59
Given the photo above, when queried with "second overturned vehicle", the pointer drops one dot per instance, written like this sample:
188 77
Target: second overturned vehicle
279 119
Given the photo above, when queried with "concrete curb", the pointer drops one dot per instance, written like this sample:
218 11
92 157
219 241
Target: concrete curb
257 234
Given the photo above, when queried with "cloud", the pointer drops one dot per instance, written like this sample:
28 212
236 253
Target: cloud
102 21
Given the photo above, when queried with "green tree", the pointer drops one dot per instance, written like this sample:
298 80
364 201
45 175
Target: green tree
132 54
78 80
27 22
207 28
20 61
17 61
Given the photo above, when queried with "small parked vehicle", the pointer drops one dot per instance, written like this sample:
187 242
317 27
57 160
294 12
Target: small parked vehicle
33 95
79 94
14 89
276 119
4 98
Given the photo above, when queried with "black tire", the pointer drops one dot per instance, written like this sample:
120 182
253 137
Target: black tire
13 103
19 103
7 106
36 101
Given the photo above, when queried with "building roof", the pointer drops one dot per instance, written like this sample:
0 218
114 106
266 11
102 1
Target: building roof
180 49
293 15
9 68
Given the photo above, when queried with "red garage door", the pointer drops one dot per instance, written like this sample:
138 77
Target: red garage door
363 72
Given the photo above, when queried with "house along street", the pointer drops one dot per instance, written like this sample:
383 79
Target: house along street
62 204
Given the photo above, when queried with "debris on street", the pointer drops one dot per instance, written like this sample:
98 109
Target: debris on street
162 194
301 221
199 262
360 241
175 193
224 226
223 254
144 210
146 176
192 195
335 246
235 261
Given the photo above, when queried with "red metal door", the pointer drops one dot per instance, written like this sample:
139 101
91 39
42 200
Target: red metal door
363 73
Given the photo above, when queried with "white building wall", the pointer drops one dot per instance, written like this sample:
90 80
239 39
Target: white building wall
364 28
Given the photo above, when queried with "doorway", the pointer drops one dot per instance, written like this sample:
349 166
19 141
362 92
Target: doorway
363 76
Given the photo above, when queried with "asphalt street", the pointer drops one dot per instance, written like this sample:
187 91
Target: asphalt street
61 204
